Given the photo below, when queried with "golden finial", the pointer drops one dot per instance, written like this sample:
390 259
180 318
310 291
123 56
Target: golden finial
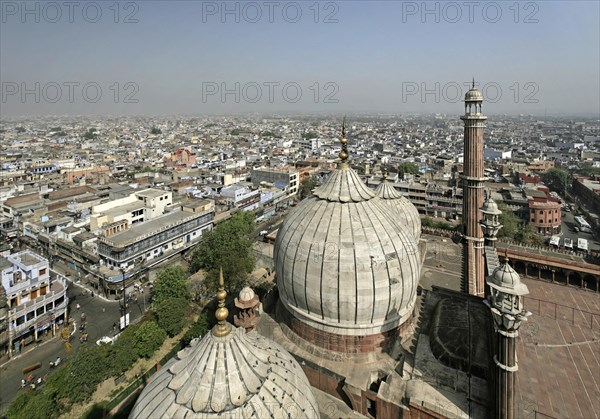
344 153
222 328
506 256
385 173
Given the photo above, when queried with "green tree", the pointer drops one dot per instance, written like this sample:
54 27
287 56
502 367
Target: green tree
229 247
155 131
119 354
306 186
198 329
33 405
587 169
527 234
21 129
90 134
310 135
19 404
171 282
558 179
148 338
509 221
83 374
407 167
171 314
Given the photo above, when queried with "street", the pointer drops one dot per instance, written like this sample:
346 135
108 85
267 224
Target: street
100 316
568 223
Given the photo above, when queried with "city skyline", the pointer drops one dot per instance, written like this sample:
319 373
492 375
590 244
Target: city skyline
330 58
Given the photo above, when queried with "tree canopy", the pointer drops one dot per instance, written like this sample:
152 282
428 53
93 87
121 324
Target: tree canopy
199 328
229 247
171 282
587 169
90 134
509 221
407 167
148 338
558 179
515 229
171 314
306 186
310 135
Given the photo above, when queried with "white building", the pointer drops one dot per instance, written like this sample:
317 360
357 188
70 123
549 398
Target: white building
133 209
168 234
241 197
35 301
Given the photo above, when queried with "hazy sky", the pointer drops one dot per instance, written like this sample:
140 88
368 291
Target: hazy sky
195 57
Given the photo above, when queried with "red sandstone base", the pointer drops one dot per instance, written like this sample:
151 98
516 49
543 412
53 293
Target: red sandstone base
342 343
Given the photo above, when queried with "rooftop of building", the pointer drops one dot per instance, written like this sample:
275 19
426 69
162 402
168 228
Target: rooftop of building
69 192
27 258
5 263
151 193
123 209
53 222
535 193
148 228
543 204
559 352
284 169
557 347
594 185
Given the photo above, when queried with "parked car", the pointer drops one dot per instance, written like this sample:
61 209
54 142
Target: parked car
105 340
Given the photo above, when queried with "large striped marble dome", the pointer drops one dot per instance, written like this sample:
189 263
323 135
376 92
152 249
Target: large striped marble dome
346 265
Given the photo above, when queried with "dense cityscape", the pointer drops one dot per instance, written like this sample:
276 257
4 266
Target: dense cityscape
374 233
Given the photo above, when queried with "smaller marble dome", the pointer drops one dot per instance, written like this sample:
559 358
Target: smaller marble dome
240 375
246 295
506 279
473 95
246 299
490 207
229 373
407 213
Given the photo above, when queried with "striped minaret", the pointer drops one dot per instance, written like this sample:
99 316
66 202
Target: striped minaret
473 183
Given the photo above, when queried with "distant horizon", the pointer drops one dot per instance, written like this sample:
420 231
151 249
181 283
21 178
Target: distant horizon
340 115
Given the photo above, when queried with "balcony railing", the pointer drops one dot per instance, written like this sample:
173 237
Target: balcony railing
57 311
38 302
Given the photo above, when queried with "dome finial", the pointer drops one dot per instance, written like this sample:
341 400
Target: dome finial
506 255
222 328
473 86
385 173
344 153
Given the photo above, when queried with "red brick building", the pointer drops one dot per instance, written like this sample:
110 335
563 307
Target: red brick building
544 211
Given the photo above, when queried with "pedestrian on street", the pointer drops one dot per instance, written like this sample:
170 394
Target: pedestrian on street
78 306
92 294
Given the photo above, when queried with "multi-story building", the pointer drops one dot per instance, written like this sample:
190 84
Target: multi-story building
241 197
545 216
136 208
286 178
155 201
170 233
35 302
544 211
588 191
